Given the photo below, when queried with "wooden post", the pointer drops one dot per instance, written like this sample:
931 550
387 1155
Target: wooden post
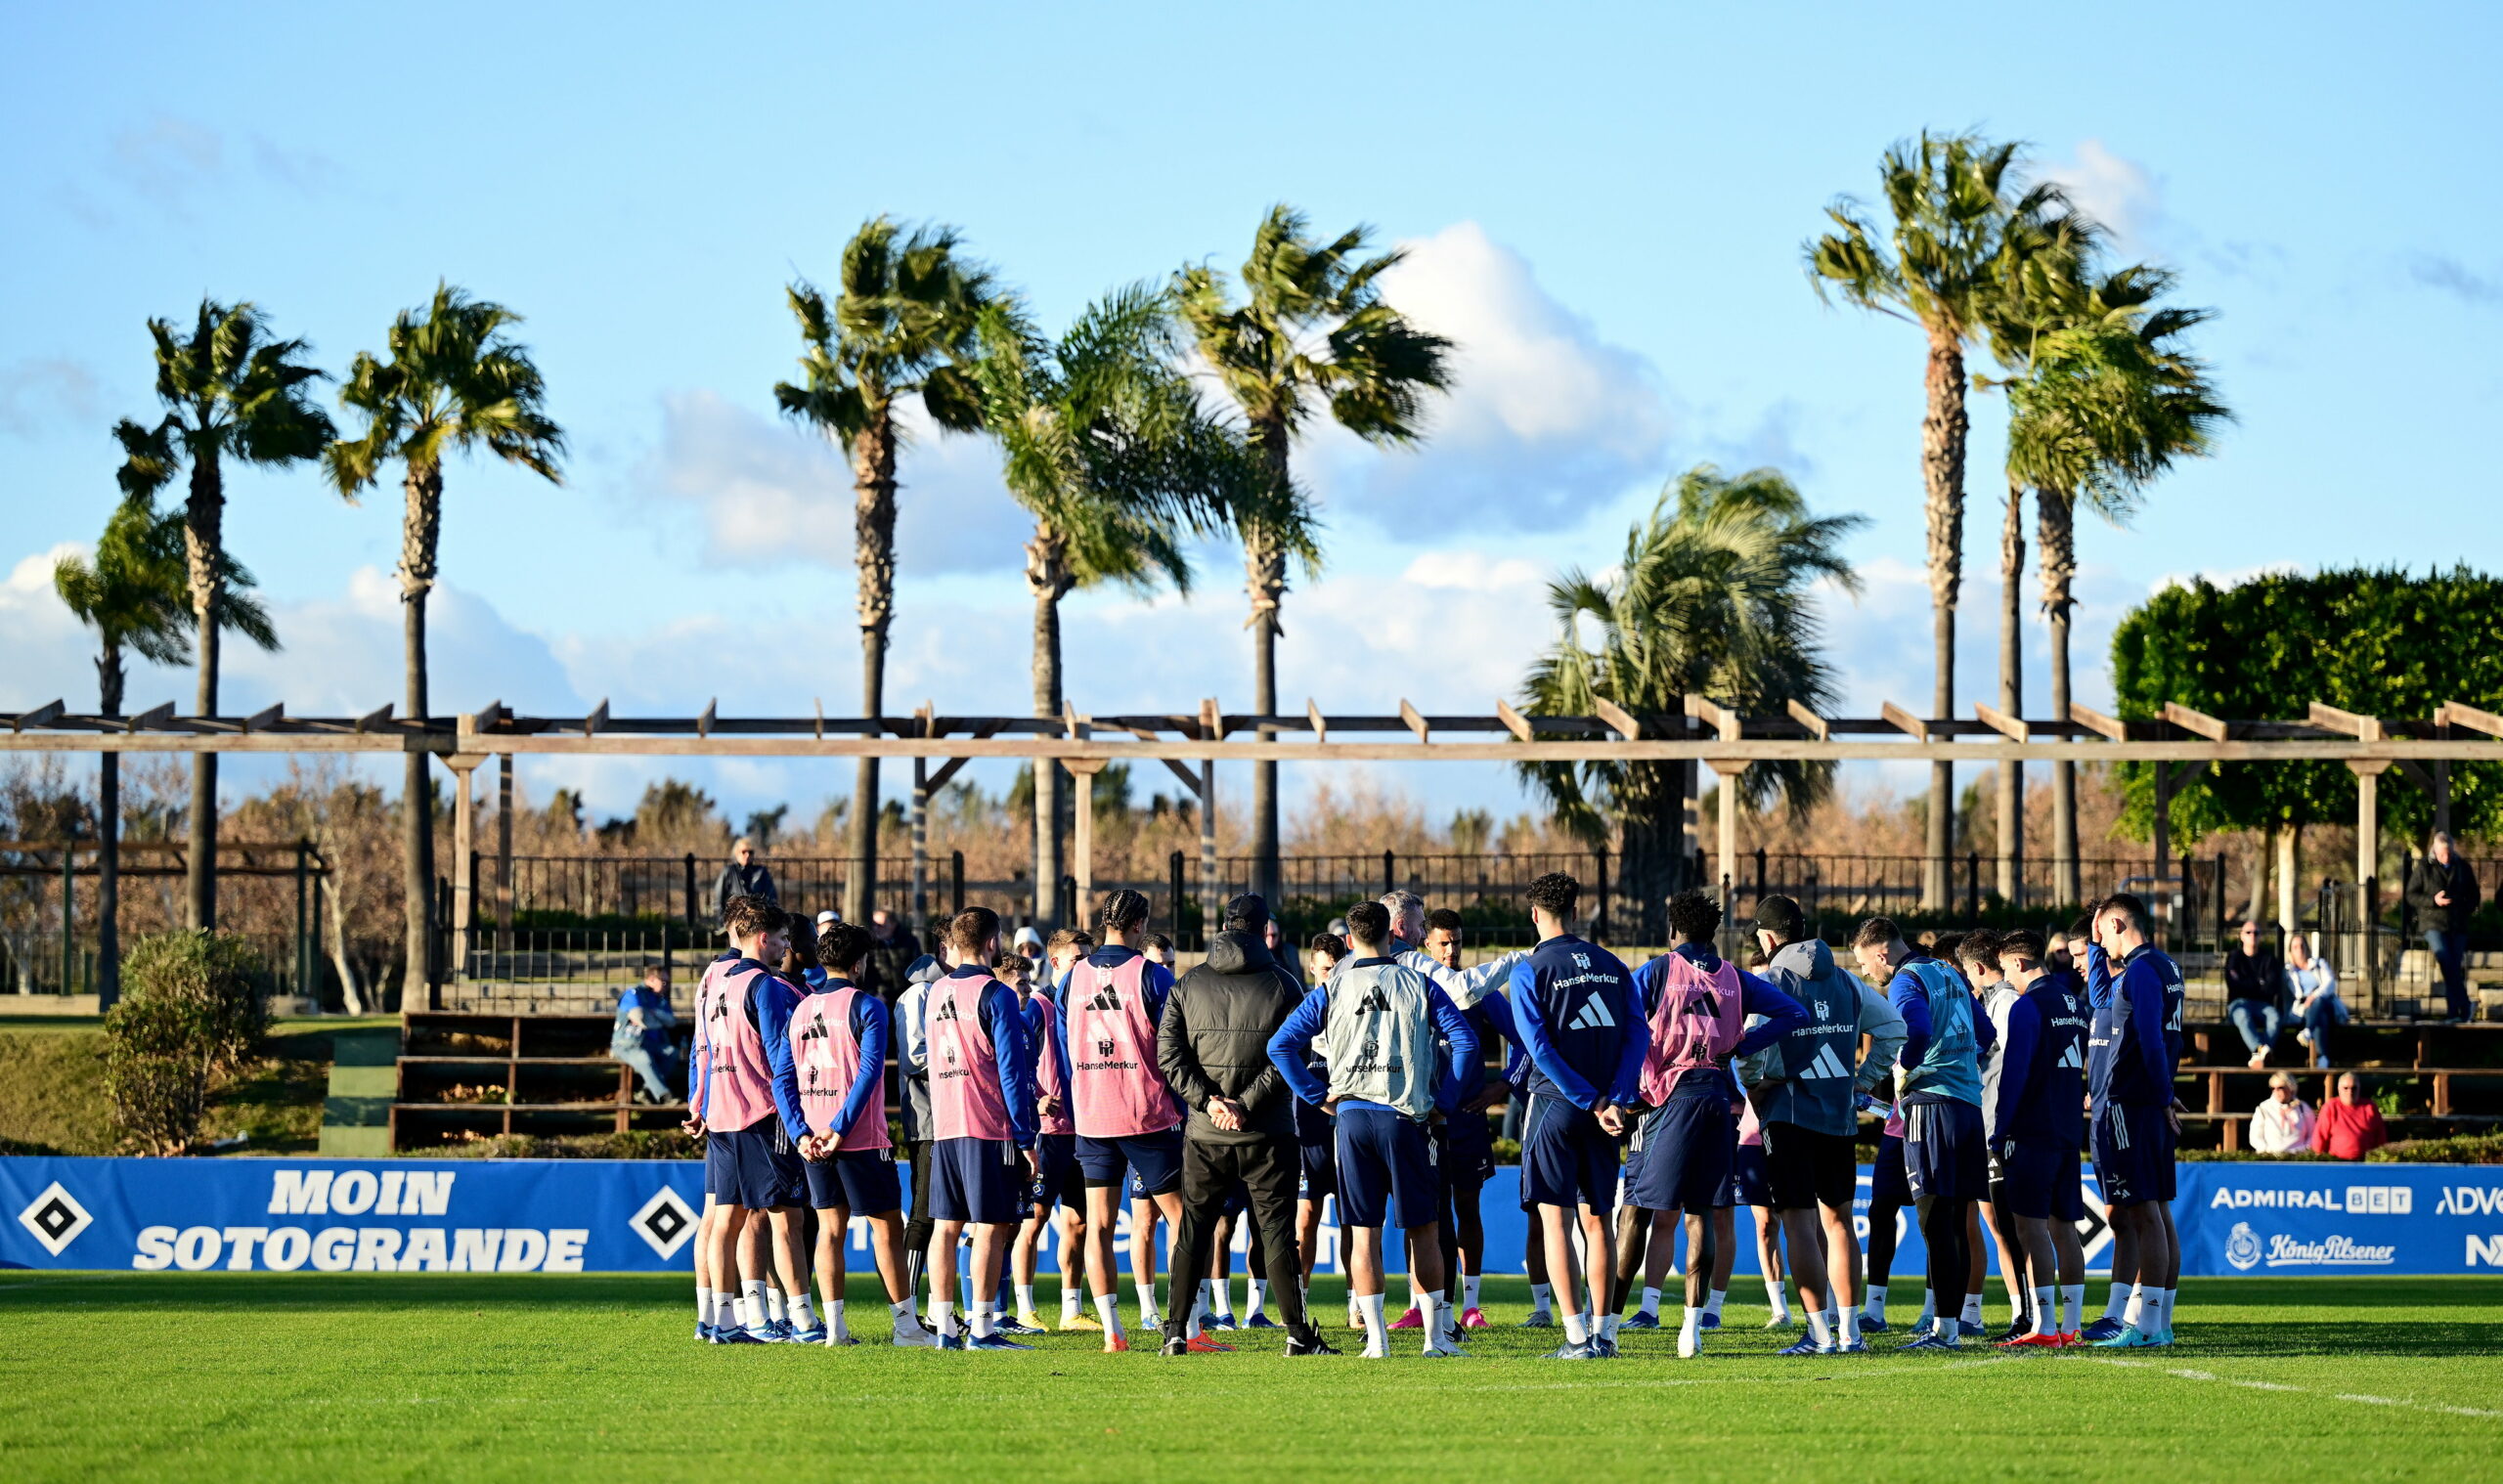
2163 839
1725 864
504 841
2289 903
920 914
2368 816
1211 909
464 850
1083 840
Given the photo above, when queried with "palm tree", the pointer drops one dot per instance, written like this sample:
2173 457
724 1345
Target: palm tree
901 323
229 392
1312 326
2110 402
1711 598
455 383
1105 444
1954 204
134 594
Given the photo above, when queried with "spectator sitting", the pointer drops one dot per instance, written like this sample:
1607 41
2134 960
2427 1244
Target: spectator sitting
2314 986
2349 1127
2283 1124
744 876
640 1037
2255 986
2444 890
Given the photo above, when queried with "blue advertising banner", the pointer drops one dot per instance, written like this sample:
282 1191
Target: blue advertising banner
639 1217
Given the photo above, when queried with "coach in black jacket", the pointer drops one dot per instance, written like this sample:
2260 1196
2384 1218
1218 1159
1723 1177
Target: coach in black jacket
1214 1046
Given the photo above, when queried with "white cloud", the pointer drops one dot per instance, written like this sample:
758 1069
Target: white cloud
2119 193
771 494
1475 570
42 392
1545 420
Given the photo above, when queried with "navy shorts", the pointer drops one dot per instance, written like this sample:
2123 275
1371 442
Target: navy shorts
2068 1196
1887 1183
862 1181
2029 1179
1154 1161
1566 1159
1750 1179
1807 1167
1469 1150
2132 1153
1688 1145
755 1167
1386 1161
1945 1157
976 1180
1320 1161
1057 1180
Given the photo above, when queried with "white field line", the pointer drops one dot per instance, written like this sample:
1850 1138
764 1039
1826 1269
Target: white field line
2357 1397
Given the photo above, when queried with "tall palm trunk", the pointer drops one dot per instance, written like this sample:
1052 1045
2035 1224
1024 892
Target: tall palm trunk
1942 430
1651 859
109 686
1265 568
420 527
2011 696
873 529
1047 578
203 539
2056 530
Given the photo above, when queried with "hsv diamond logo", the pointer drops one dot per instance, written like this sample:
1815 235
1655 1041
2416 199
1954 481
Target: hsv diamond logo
2242 1248
54 1218
664 1223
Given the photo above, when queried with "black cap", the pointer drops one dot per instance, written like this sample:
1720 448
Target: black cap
1246 912
1781 916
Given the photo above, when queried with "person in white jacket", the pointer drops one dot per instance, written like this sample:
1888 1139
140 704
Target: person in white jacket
2281 1125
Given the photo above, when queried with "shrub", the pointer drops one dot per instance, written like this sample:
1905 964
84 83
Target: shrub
192 1013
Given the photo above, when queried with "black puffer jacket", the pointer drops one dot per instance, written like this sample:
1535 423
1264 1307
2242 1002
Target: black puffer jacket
1214 1038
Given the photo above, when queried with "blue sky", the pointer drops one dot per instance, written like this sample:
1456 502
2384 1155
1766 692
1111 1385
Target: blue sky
1604 204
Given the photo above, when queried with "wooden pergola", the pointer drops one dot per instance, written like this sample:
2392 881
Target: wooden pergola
1192 744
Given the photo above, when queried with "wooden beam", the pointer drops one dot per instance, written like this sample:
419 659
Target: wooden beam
2097 722
817 706
1816 723
2331 718
265 718
492 715
2453 714
2418 775
42 716
154 716
1615 715
1904 721
1320 722
1190 779
599 718
2181 776
2196 722
1512 721
1211 722
2011 728
704 722
1416 722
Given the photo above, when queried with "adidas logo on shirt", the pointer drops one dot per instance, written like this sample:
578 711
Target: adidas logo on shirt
1825 1065
946 1011
1593 1016
1105 998
2069 1057
1375 1002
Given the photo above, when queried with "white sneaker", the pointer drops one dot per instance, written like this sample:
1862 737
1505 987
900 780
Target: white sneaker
916 1339
1689 1343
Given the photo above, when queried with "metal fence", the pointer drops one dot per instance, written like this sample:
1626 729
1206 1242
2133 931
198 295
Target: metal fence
48 906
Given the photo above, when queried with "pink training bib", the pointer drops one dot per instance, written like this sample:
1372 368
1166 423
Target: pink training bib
826 1051
966 1100
1694 1025
1116 1090
1048 1081
741 1077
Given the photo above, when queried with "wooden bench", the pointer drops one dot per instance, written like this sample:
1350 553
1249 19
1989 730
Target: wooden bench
2439 1100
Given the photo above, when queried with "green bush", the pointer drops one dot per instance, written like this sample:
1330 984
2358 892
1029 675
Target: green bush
633 1144
2456 1149
193 1013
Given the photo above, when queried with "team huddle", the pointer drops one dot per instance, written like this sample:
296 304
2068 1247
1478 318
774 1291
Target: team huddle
1062 1096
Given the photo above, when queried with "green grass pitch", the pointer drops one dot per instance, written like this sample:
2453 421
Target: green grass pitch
443 1377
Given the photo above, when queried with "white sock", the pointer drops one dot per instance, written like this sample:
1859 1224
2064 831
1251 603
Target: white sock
1069 1303
804 1314
1691 1333
1972 1313
1946 1330
941 1311
1377 1330
1221 1293
985 1318
835 1327
1820 1328
1712 1304
1542 1298
1850 1325
1108 1308
703 1307
2047 1311
1256 1293
1147 1317
1577 1330
1026 1303
1431 1309
2136 1313
1777 1300
1415 1295
1469 1282
2164 1308
1652 1302
2072 1306
901 1312
773 1305
1608 1324
752 1304
1928 1307
2116 1300
1877 1303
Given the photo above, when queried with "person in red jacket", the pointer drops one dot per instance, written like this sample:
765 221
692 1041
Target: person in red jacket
2349 1127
